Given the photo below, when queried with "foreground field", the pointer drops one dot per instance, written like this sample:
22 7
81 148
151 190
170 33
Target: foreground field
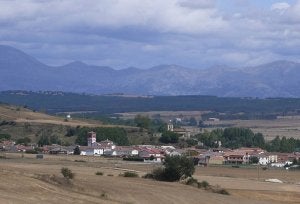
28 180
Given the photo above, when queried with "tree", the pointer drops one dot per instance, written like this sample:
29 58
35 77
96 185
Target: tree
142 121
5 137
24 141
44 140
77 151
169 137
193 121
254 160
177 166
115 134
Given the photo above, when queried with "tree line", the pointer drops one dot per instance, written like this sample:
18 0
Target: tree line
244 137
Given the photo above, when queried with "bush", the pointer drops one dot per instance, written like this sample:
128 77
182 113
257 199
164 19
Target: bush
203 184
67 173
222 191
192 181
148 176
175 167
31 151
77 151
99 173
129 174
110 175
76 160
133 159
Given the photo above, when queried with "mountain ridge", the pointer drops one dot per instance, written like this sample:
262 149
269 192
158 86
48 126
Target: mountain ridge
20 71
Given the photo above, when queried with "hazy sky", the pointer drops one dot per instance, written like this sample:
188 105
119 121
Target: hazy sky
145 33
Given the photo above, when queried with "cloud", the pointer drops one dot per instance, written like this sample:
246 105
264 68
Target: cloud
280 6
123 33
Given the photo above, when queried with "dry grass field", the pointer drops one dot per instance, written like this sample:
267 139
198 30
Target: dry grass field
30 180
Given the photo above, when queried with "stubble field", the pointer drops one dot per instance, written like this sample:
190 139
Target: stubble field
28 180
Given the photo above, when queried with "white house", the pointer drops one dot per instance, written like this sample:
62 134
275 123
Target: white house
91 151
126 151
263 159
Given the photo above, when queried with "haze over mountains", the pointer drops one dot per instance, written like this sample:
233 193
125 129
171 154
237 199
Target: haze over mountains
19 71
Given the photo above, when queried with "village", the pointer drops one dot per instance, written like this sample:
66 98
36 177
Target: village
156 154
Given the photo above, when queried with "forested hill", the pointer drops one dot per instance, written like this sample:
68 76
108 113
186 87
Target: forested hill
54 102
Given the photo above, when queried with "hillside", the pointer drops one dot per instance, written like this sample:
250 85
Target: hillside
55 102
19 71
22 122
24 115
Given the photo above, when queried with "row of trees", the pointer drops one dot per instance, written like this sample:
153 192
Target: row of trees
115 134
244 137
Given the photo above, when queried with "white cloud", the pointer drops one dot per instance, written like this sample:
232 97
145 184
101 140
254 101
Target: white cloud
280 6
160 31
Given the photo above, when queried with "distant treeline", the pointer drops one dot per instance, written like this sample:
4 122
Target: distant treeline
244 137
54 102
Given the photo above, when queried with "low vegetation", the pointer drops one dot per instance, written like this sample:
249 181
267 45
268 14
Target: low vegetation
67 173
99 173
129 174
175 167
204 185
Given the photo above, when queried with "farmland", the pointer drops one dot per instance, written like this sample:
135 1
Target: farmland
28 180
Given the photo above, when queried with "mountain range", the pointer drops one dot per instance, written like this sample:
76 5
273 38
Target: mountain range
19 71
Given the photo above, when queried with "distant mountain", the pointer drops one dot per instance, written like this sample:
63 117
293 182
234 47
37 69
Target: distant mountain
19 71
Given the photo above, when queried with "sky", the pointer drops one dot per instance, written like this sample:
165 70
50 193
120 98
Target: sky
145 33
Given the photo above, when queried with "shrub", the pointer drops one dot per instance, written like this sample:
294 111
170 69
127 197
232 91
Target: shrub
130 174
110 175
77 151
191 181
99 173
203 184
148 176
133 159
76 160
158 174
67 173
175 167
31 151
222 191
104 195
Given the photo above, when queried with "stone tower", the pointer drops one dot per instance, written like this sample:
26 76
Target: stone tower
91 139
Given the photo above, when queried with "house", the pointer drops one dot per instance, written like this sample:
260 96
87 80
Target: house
7 145
272 157
58 150
151 154
107 145
236 157
124 151
91 151
210 157
263 159
110 152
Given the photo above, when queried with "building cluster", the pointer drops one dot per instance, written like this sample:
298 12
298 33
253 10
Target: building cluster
246 156
151 153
